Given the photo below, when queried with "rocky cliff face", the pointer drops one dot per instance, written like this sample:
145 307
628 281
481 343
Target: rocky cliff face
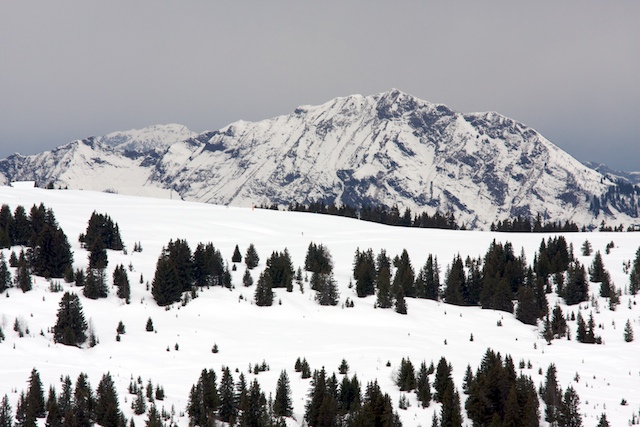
390 148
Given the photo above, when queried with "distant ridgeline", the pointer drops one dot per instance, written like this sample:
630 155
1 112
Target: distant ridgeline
392 216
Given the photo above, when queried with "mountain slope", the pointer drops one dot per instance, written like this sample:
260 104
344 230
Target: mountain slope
389 149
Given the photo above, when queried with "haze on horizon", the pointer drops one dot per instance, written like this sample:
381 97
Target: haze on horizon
70 70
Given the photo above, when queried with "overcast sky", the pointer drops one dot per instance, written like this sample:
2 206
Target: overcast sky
570 69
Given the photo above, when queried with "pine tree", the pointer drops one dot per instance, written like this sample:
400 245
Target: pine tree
237 256
558 323
70 327
264 294
65 400
406 379
5 274
570 411
576 290
586 248
326 287
121 281
139 403
364 273
282 404
153 418
551 395
6 415
228 410
84 402
95 285
165 288
23 277
597 271
603 422
34 400
455 282
442 380
628 332
98 254
256 412
251 258
581 333
247 280
107 409
423 388
404 277
149 326
527 309
634 276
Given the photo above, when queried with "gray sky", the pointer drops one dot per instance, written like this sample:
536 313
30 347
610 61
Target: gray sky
570 69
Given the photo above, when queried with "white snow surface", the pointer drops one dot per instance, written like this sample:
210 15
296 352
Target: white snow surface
296 326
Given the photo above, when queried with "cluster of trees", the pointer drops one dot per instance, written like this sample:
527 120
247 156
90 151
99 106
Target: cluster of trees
101 230
49 253
319 263
527 225
178 271
77 406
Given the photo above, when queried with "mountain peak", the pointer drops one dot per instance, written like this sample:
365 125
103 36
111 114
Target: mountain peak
151 138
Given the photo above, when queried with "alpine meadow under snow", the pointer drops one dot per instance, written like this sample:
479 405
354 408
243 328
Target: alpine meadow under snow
296 326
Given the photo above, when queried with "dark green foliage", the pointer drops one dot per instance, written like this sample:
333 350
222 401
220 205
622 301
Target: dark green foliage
628 331
208 266
326 287
322 407
251 258
280 270
22 418
247 280
423 387
179 254
558 323
5 274
95 285
65 400
349 398
455 281
376 410
83 402
70 327
443 379
364 272
576 290
107 409
203 400
6 414
404 277
551 395
318 259
450 413
502 275
597 271
35 397
21 227
255 414
406 378
384 297
121 281
154 418
634 276
165 287
101 227
344 367
23 277
586 248
527 310
228 410
282 404
139 403
237 256
264 294
149 326
98 255
428 280
603 422
51 253
570 412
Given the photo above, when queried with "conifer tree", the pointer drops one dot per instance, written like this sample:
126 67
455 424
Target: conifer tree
404 275
95 285
326 287
6 414
570 412
634 276
121 281
21 228
165 287
23 277
364 272
406 379
576 290
454 282
443 379
551 395
282 404
5 274
107 408
423 387
603 422
264 294
586 248
383 283
558 323
596 271
139 403
228 410
70 327
581 333
628 331
247 280
98 254
35 396
65 400
256 412
527 309
83 402
237 256
251 258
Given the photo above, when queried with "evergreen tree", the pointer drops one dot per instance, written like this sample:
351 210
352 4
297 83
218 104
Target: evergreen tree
35 396
70 327
450 413
527 309
404 277
107 409
581 333
247 280
281 270
98 254
256 412
208 266
179 255
165 287
326 287
264 294
570 411
21 228
237 256
139 403
628 332
596 271
349 395
558 323
6 414
443 379
228 410
23 277
22 418
551 395
383 283
153 418
84 402
251 258
406 379
455 282
603 422
65 400
282 404
576 289
149 326
51 252
5 274
423 388
121 281
634 276
364 272
103 228
586 248
95 285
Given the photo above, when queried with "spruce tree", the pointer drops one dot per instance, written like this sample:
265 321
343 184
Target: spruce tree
326 287
228 410
423 388
121 281
597 271
165 287
455 282
628 331
282 404
107 409
83 402
404 275
634 276
6 414
237 256
406 379
65 400
35 396
364 273
247 280
70 327
264 294
251 258
551 395
95 285
603 422
570 412
5 274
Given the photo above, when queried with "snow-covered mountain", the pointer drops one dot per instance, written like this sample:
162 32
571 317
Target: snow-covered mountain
389 149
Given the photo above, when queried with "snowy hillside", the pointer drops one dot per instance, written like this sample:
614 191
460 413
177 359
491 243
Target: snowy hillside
385 149
297 326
